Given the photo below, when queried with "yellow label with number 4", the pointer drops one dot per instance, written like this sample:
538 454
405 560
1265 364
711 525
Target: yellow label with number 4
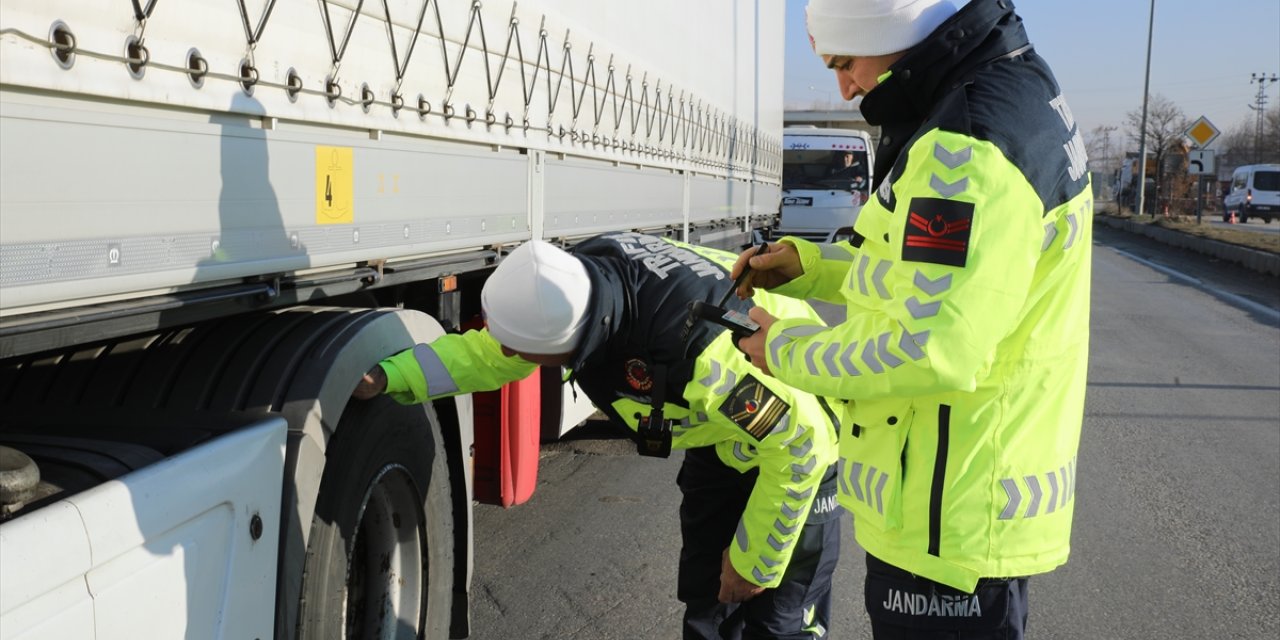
335 185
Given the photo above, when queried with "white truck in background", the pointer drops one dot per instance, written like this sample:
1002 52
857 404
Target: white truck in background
826 178
215 215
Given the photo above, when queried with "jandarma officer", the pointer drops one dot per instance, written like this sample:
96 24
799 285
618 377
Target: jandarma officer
758 518
960 369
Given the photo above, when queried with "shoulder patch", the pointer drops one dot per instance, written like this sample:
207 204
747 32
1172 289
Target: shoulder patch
937 231
755 408
637 374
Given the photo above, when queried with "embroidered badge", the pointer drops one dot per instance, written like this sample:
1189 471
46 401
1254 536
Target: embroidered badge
755 408
937 231
637 373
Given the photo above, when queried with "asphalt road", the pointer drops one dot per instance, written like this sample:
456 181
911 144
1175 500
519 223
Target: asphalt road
1177 522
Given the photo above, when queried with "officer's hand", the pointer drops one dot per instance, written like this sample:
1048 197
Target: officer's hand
779 265
733 587
372 384
753 345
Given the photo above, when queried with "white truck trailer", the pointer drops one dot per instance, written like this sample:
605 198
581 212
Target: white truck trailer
215 215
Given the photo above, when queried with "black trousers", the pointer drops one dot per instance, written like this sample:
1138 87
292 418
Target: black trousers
798 609
903 606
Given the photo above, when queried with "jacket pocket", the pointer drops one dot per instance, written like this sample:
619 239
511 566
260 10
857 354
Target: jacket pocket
870 471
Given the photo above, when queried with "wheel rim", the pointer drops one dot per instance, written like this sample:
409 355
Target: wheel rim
386 578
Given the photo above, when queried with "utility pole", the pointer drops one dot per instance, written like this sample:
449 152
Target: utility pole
1142 133
1106 149
1259 105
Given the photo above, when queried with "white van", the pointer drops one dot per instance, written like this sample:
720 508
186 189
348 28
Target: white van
1255 193
826 177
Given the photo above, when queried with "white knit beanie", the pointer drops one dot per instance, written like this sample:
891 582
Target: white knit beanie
536 300
872 27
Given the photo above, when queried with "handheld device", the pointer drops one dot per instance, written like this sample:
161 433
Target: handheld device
735 321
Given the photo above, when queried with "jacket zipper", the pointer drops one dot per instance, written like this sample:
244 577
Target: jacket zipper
939 479
831 415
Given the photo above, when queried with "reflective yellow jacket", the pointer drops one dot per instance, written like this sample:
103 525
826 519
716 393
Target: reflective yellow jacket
961 365
753 420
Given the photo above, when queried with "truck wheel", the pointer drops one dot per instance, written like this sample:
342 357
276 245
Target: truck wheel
379 560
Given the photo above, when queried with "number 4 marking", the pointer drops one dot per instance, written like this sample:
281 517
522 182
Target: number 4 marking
328 189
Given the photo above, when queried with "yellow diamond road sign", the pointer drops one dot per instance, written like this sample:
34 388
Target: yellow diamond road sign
1203 131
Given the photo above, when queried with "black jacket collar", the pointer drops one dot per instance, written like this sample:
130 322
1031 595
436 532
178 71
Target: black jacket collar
606 312
976 35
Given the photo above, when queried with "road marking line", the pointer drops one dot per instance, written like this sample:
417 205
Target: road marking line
1231 298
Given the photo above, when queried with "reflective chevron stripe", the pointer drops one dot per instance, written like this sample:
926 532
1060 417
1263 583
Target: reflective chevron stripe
832 252
871 476
776 544
805 468
952 160
784 529
1075 228
882 348
884 479
855 480
712 377
1050 232
932 287
1053 494
800 431
846 359
1014 498
790 512
1066 485
1061 483
912 343
948 189
877 279
829 359
788 335
730 379
796 495
739 453
1033 485
869 357
762 577
920 311
862 275
869 489
801 450
769 562
744 542
439 380
808 358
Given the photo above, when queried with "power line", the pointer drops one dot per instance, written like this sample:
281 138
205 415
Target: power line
1259 105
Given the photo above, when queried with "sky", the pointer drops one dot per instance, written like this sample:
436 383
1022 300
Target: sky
1201 57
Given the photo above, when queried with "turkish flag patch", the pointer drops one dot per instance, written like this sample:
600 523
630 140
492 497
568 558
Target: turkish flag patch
937 231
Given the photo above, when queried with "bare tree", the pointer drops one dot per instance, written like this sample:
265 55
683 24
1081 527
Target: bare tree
1165 124
1237 146
1269 146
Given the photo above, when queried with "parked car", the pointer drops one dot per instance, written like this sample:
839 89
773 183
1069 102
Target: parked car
1254 192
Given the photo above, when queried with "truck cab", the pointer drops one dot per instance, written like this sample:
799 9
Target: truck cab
826 178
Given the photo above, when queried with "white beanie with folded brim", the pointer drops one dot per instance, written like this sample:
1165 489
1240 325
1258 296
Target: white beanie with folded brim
536 300
872 27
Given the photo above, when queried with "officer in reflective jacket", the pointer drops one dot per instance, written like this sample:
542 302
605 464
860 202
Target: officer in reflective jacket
759 519
960 369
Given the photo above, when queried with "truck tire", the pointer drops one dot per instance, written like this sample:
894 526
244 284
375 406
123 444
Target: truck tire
380 561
